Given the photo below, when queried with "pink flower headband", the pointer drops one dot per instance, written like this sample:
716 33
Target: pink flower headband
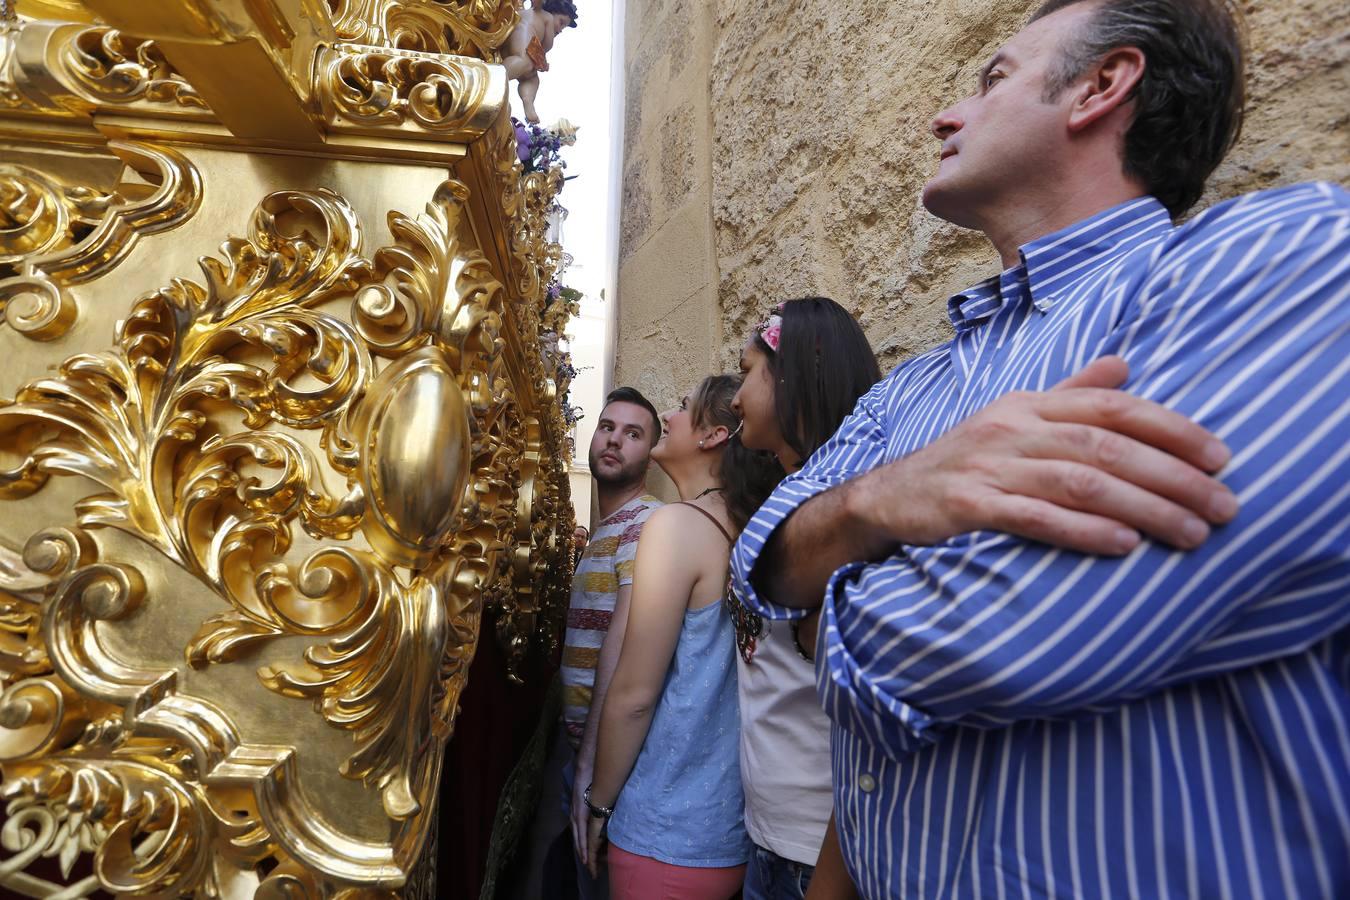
771 329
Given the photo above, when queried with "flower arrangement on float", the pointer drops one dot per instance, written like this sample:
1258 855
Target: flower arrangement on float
540 148
556 356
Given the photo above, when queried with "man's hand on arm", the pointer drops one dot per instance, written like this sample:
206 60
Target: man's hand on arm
1083 466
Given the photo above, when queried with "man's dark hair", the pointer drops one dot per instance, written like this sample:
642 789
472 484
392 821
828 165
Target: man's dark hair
564 7
633 395
823 365
1188 104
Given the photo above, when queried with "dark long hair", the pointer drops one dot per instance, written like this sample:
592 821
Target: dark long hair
747 476
822 366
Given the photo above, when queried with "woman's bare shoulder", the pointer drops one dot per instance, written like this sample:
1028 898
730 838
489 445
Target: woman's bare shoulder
681 523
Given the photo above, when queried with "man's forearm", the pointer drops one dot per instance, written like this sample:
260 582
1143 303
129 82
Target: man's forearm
585 763
606 663
1083 466
822 535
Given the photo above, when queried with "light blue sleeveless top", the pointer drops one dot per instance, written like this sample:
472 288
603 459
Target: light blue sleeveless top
683 802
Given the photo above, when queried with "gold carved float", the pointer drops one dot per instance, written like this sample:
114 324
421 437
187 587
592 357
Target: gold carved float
275 430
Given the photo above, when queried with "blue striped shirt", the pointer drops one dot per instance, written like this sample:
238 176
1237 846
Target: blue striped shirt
1016 720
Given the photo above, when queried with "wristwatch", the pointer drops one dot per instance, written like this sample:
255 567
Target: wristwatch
597 812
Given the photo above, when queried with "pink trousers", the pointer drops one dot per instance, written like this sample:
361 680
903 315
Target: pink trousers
633 877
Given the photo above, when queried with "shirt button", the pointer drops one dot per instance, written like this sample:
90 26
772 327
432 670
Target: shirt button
867 783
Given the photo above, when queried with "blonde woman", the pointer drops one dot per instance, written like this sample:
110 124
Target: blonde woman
667 776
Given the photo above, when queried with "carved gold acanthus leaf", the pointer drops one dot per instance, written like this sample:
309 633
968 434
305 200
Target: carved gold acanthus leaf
151 832
190 431
371 91
54 235
401 92
458 27
107 66
65 69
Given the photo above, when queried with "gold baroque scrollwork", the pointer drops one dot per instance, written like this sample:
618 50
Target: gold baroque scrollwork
246 473
61 69
55 235
107 66
459 27
530 603
136 804
365 89
259 335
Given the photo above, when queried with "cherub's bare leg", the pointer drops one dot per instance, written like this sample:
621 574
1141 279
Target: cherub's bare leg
529 89
518 66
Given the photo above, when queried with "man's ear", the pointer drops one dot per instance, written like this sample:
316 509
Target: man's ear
1108 86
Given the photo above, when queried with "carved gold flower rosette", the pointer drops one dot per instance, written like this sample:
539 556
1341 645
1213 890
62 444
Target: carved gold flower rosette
275 433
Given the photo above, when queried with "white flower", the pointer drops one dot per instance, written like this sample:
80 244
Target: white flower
566 132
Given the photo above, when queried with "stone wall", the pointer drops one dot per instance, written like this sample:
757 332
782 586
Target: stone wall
812 118
668 319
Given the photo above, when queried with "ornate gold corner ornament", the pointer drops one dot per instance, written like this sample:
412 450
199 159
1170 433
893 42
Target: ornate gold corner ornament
255 500
368 90
54 235
61 69
457 27
107 66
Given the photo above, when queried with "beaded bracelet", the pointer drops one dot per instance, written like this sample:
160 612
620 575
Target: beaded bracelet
596 811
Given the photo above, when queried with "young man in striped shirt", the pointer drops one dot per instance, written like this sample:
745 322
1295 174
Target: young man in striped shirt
1169 717
619 456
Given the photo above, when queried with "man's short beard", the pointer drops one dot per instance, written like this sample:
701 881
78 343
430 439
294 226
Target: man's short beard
629 473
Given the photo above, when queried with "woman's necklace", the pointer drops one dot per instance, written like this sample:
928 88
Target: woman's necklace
706 492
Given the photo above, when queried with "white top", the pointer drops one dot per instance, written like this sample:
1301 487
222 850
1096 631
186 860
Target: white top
785 748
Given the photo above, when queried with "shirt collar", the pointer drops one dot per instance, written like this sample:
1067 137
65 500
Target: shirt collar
637 501
1051 262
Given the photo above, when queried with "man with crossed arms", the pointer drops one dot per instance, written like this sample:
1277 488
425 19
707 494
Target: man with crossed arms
1171 715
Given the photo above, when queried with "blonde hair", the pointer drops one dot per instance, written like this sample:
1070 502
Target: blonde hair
710 404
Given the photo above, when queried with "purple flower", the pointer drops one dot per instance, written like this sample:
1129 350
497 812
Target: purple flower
522 143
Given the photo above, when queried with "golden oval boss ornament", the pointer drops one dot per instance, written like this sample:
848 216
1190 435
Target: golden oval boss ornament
415 433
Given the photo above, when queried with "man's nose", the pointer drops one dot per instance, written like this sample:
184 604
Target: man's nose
945 124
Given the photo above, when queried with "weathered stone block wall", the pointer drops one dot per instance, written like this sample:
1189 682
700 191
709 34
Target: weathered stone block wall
668 322
818 127
669 326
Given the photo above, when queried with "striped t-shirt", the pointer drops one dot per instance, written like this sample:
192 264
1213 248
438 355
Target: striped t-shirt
606 566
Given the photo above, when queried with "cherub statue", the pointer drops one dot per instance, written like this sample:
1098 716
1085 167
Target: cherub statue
530 41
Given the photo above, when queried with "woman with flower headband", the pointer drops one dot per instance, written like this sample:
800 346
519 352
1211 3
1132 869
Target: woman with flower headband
803 370
666 775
